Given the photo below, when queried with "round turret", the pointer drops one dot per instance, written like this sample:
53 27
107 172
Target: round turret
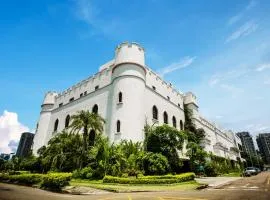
129 53
49 98
128 77
49 101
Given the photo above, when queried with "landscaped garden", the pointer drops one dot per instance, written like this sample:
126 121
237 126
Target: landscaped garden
89 159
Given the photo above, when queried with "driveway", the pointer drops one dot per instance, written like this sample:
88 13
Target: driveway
216 181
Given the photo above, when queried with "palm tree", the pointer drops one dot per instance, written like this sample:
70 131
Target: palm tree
86 121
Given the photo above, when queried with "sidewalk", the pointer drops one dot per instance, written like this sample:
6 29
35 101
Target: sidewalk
216 181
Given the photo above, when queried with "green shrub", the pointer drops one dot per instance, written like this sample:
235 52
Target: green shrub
210 169
85 173
167 179
52 181
24 179
55 181
170 176
3 176
155 163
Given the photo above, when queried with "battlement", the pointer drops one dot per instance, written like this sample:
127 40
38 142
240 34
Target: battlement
129 45
169 86
94 80
225 133
129 53
190 98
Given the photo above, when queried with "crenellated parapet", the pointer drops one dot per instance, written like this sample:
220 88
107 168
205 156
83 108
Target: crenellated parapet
166 85
129 53
190 98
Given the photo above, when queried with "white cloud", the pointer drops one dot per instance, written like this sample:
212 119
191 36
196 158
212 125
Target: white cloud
267 82
10 131
263 67
231 88
251 4
86 11
257 128
218 116
244 30
235 19
214 80
228 76
240 15
182 63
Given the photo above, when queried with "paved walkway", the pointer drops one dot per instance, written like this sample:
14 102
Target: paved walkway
216 181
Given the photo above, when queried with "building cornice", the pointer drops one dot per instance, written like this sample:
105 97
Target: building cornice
132 63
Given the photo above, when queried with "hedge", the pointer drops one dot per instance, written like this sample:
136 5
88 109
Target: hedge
167 179
169 176
24 179
55 181
51 181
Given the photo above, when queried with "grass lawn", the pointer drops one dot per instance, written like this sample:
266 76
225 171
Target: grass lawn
191 185
233 174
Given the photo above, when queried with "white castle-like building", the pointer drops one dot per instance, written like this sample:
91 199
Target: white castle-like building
128 94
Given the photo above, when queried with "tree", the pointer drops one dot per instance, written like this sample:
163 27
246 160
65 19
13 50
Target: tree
167 141
98 157
189 125
133 154
86 121
63 153
155 163
195 136
196 155
2 163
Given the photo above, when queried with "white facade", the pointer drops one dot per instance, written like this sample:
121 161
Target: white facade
141 90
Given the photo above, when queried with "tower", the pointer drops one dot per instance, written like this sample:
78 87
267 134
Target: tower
41 136
128 88
190 101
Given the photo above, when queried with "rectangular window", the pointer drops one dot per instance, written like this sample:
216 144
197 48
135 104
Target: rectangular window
60 104
85 93
96 88
71 99
154 88
81 94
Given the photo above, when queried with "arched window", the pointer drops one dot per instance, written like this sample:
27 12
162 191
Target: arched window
155 113
118 126
165 117
120 97
55 125
92 136
95 109
67 121
174 122
181 125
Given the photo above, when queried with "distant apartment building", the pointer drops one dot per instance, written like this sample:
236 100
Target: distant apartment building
263 141
25 144
248 147
6 156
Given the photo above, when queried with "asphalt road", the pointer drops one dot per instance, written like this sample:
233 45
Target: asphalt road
253 188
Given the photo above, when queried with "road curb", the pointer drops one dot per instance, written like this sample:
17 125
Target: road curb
203 186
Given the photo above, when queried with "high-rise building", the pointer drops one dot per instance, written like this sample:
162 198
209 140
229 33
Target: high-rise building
25 144
248 147
263 141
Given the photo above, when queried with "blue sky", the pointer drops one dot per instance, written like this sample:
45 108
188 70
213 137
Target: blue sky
220 50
